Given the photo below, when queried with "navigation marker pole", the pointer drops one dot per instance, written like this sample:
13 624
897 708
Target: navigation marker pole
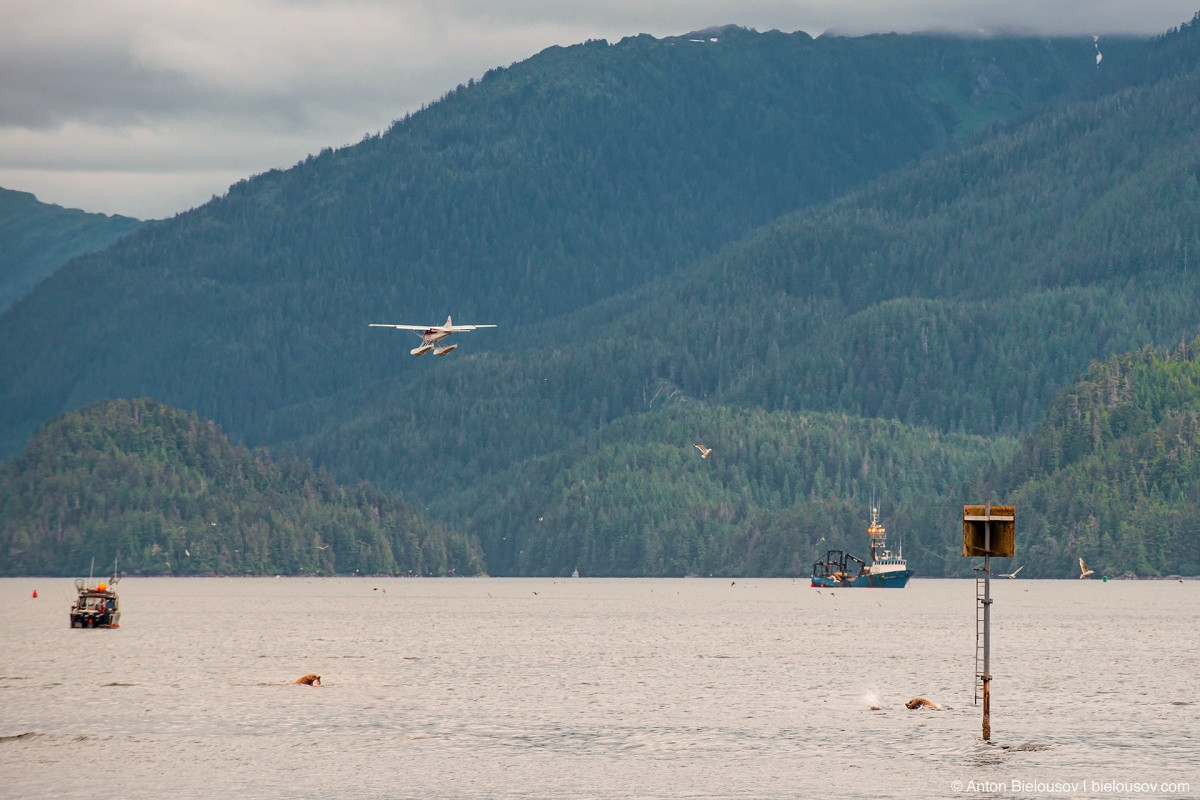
987 531
986 677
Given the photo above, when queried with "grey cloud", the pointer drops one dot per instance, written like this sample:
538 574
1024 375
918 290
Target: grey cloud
105 88
139 88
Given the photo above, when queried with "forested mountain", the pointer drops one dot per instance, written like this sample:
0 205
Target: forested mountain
960 294
1112 475
168 494
893 340
539 189
776 490
37 238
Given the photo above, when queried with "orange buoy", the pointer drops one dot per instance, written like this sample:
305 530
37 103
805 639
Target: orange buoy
35 594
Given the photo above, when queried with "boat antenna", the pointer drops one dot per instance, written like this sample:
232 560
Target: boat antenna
92 571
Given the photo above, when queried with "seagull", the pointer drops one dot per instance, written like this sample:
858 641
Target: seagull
1084 570
704 451
1012 574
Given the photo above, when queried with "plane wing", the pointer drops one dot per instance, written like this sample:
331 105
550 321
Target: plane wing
401 327
446 328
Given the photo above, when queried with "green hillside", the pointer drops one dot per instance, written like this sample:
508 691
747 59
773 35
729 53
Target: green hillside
961 294
776 490
1112 475
537 190
37 238
891 331
168 494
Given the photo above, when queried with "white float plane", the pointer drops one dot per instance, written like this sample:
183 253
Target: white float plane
432 334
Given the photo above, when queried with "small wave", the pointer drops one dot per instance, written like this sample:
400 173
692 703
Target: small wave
1024 747
14 737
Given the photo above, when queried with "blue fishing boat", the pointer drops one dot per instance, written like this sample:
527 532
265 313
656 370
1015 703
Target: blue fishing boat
885 571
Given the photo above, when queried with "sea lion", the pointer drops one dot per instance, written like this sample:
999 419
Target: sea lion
309 680
921 702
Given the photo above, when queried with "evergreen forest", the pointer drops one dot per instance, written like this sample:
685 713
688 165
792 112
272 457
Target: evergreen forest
177 497
902 271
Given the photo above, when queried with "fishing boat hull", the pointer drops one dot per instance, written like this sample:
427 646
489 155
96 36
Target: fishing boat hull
888 580
85 620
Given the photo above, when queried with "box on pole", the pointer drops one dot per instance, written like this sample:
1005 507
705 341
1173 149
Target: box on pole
1002 520
988 531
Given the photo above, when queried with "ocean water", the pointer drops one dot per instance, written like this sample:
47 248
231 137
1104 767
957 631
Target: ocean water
598 688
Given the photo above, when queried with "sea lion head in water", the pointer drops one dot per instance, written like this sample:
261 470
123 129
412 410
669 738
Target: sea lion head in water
309 680
921 702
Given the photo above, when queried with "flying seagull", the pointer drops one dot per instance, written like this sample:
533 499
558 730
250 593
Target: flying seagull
704 451
1083 570
1012 574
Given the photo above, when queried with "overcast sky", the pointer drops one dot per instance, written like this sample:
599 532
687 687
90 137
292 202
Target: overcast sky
150 107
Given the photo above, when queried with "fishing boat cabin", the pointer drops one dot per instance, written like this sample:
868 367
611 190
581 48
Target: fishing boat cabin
96 606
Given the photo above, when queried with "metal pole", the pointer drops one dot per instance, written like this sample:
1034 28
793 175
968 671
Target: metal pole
987 623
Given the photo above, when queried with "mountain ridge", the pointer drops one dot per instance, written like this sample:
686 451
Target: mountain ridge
946 300
539 189
37 238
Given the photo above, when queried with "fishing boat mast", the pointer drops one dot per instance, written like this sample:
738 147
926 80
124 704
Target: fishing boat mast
878 536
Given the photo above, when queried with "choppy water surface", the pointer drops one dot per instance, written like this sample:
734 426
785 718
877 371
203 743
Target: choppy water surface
597 688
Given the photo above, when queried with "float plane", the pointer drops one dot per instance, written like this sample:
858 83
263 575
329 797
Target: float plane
432 334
